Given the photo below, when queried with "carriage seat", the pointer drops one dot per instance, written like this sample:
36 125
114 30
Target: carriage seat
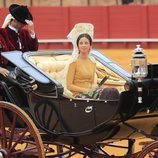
52 68
50 64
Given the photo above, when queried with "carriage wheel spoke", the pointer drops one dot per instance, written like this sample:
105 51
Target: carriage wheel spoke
150 151
20 138
25 150
2 122
151 155
12 130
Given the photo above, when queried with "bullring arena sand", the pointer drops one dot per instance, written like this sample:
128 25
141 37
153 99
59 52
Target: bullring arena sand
123 58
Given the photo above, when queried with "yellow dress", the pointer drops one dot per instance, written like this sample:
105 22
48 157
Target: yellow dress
81 76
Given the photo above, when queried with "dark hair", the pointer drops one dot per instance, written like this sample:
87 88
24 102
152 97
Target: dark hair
86 36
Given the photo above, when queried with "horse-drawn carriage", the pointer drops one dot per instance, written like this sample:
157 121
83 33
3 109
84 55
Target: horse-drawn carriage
38 120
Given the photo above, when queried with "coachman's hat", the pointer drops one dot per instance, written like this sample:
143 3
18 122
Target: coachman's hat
20 13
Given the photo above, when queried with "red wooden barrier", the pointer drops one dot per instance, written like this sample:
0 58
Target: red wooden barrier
109 21
3 13
98 16
51 22
152 21
128 22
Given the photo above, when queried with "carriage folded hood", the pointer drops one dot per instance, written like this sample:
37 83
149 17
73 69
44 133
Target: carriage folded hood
16 58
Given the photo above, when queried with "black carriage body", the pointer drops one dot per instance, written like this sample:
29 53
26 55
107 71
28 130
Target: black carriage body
77 121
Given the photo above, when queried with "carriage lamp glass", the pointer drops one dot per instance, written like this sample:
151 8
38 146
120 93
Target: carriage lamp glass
139 63
139 69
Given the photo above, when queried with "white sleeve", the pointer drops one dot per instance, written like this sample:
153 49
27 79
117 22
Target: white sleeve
33 36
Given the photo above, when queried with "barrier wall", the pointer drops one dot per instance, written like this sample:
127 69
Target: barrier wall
111 22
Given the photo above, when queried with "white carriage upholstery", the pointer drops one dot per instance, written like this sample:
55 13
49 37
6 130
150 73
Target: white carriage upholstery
50 64
53 64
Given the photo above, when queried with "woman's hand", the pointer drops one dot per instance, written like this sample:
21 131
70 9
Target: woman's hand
4 72
30 25
85 91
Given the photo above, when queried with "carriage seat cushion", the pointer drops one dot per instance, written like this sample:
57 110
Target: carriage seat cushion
50 64
52 68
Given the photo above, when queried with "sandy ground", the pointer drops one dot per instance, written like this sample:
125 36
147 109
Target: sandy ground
123 58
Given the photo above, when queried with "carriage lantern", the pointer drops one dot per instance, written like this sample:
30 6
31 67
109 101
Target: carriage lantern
139 68
139 63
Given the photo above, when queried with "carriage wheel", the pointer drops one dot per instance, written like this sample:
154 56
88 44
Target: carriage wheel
16 142
150 151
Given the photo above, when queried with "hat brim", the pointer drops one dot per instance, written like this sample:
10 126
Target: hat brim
11 10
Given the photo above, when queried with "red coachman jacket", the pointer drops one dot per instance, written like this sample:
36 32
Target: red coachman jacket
9 41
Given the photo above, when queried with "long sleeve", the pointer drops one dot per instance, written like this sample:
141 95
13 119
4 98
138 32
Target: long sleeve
33 44
4 41
29 43
3 44
94 84
70 79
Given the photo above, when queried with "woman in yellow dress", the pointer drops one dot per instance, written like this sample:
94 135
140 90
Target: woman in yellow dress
79 77
82 72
